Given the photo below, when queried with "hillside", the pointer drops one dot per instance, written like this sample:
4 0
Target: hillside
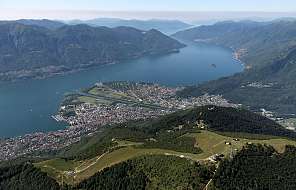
254 167
194 135
151 172
269 54
29 51
217 119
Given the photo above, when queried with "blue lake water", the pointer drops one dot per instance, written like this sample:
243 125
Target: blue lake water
27 106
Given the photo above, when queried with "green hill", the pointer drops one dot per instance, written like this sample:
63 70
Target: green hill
168 132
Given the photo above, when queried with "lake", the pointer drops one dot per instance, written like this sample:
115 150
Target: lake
27 106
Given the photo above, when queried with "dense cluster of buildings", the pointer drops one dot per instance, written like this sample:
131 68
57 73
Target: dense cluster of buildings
41 142
166 97
100 115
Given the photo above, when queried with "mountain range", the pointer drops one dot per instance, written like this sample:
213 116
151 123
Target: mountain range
165 26
31 51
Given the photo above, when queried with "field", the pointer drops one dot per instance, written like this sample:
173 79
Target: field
93 100
211 143
106 95
86 99
58 169
110 93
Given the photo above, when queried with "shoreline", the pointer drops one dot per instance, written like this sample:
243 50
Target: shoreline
61 70
84 71
237 56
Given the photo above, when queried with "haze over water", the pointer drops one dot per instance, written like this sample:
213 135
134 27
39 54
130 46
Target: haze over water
27 106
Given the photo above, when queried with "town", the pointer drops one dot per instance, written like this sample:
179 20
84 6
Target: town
104 104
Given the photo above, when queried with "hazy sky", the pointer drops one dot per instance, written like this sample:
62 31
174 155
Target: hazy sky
163 5
64 8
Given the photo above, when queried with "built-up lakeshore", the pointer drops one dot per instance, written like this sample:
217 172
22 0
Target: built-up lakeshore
108 103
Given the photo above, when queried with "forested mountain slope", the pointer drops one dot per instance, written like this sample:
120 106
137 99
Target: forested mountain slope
258 167
25 177
28 51
264 42
269 54
151 172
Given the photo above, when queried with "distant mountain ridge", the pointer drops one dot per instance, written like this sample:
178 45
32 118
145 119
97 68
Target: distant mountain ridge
29 51
166 26
49 24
